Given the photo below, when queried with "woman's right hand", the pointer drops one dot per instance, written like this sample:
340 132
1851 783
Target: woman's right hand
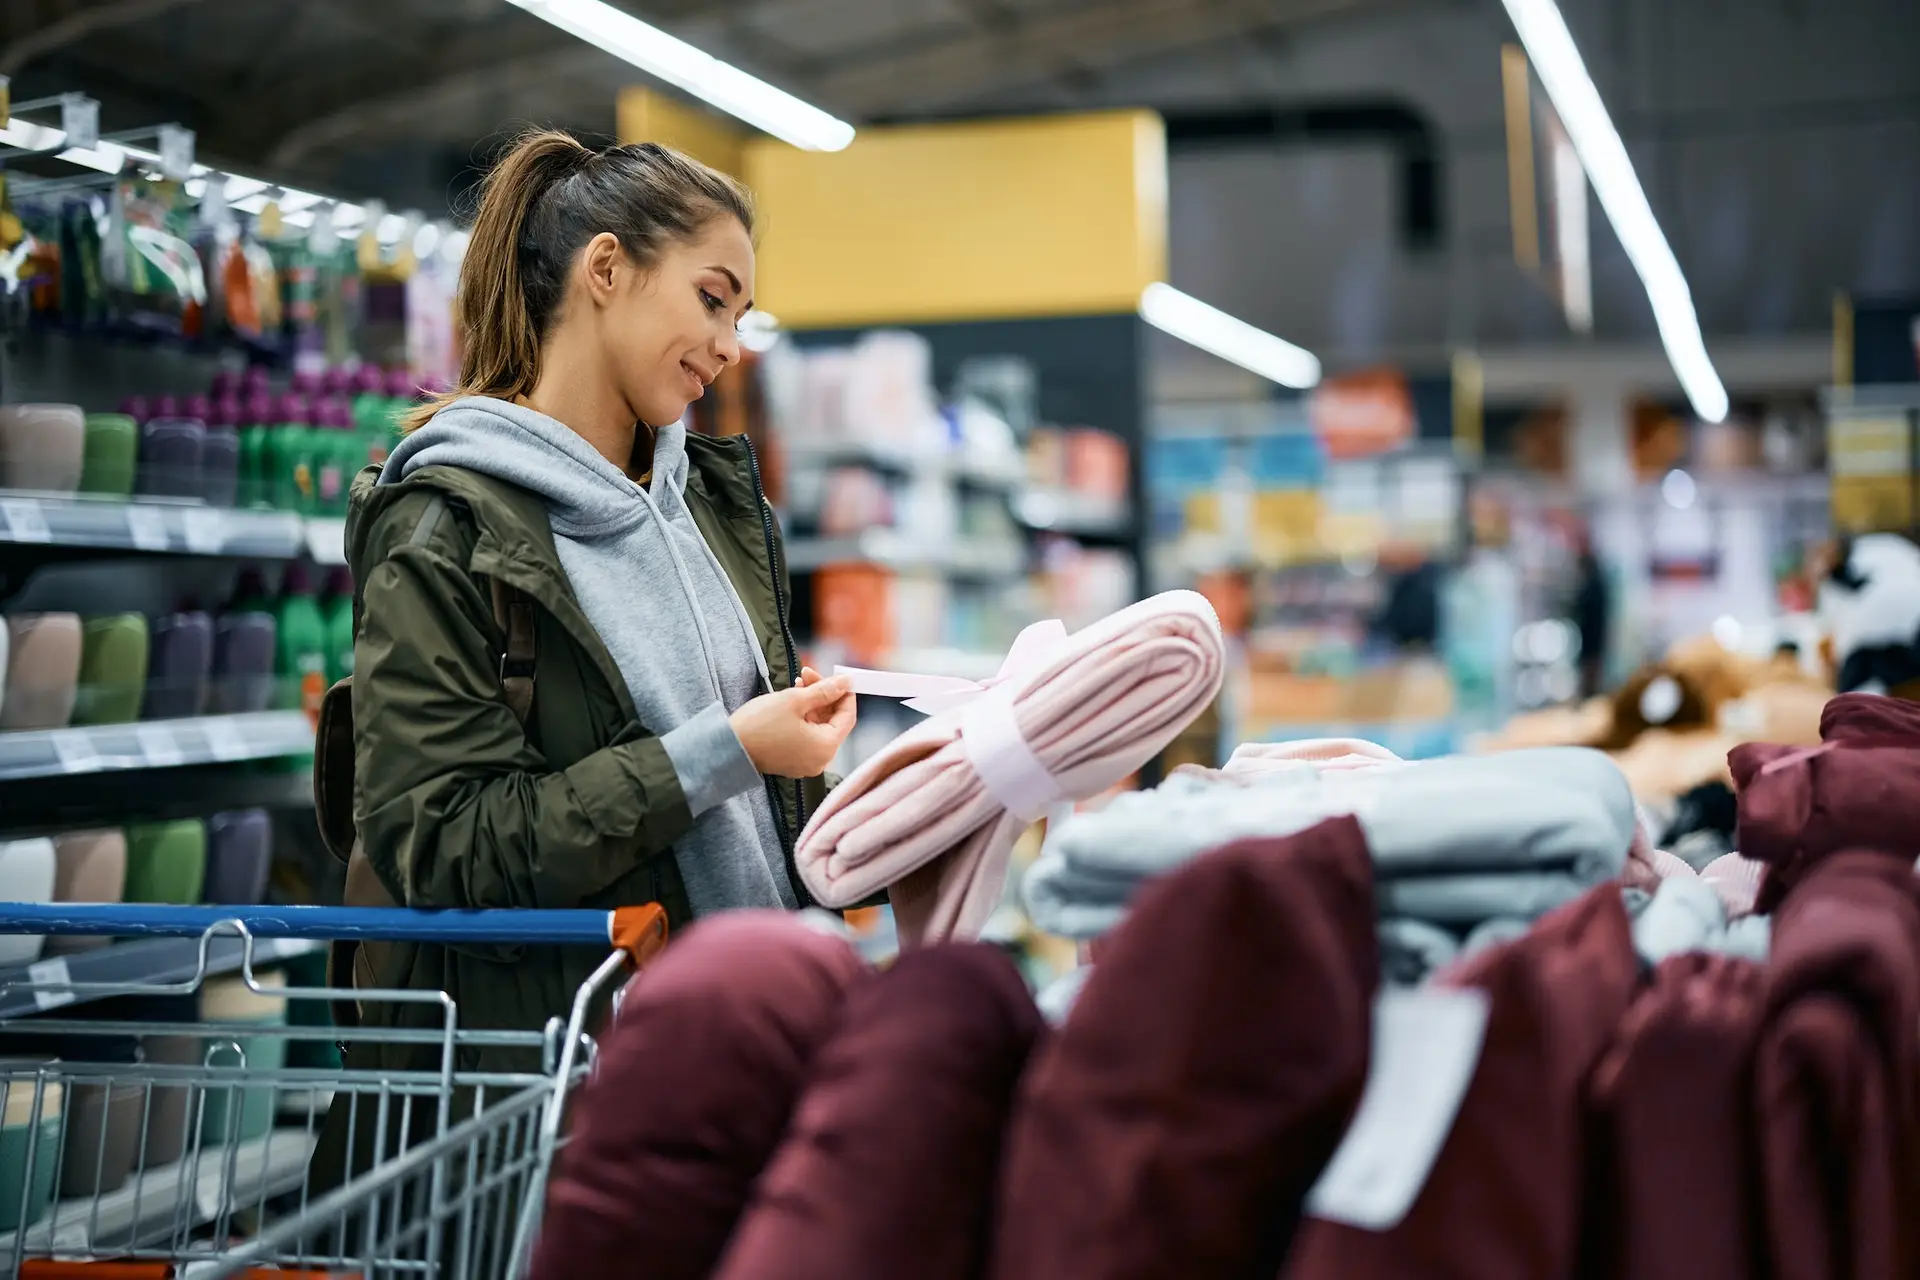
795 732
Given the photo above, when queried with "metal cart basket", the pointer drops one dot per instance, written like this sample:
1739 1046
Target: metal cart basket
162 1126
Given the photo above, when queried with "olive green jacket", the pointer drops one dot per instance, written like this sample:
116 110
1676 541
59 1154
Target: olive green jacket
460 805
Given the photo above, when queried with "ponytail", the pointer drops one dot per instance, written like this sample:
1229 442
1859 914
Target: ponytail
539 205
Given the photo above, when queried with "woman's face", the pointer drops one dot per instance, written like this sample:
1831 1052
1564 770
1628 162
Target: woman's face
669 331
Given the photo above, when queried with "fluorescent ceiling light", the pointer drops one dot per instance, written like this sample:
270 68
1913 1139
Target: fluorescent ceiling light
772 110
1211 329
1557 61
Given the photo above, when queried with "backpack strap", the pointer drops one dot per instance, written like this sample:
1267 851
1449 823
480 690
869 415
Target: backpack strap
514 612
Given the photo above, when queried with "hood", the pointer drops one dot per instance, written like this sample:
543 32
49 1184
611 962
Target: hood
586 496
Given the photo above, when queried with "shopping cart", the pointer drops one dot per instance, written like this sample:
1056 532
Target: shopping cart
142 1141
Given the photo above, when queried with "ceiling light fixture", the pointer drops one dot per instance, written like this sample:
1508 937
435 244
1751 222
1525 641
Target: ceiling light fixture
1557 62
732 90
1213 330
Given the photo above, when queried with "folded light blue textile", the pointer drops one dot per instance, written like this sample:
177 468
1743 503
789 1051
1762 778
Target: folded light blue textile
1455 841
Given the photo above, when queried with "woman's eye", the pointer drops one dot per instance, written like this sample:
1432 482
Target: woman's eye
712 303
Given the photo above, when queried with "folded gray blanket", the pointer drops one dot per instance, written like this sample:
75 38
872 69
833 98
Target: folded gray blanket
1456 841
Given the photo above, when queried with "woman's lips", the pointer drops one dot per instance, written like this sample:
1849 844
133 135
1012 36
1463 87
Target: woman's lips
695 383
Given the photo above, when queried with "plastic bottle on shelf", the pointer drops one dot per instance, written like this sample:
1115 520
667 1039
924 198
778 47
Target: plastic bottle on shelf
403 392
336 608
220 456
369 399
300 659
336 452
136 407
287 457
256 425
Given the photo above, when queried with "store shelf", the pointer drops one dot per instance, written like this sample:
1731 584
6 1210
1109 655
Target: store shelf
1077 515
154 744
987 474
884 547
157 1204
180 528
26 989
327 540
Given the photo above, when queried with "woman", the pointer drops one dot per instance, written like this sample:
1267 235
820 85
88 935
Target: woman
668 755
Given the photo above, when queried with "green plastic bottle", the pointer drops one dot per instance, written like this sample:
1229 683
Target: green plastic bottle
337 609
289 457
256 426
369 399
302 646
336 450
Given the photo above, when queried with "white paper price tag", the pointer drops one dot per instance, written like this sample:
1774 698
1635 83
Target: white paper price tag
1426 1044
80 121
158 746
224 739
147 526
50 979
206 531
26 522
76 751
327 541
176 152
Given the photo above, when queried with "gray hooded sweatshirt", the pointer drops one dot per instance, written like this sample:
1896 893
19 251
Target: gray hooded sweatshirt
664 608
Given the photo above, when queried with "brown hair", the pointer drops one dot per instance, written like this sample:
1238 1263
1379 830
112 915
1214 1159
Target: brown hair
544 199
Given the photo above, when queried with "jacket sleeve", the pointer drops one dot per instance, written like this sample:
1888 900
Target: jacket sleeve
455 806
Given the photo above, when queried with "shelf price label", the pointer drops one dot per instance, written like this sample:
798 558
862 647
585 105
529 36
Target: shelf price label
147 526
76 751
224 740
26 522
206 531
158 746
51 981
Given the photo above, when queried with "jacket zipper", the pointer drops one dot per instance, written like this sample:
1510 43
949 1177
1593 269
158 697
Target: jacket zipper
774 560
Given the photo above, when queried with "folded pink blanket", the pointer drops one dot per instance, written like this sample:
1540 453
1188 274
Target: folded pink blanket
921 821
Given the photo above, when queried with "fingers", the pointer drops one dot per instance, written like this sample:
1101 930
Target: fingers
809 676
824 692
844 712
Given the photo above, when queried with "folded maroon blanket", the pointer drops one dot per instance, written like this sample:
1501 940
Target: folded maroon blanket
921 821
1833 1077
1208 1070
1502 1201
1799 805
890 1165
693 1086
1672 1193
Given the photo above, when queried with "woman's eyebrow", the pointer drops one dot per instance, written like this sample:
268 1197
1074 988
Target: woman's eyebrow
732 279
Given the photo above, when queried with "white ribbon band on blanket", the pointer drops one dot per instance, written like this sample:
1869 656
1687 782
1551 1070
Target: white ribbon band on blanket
1010 771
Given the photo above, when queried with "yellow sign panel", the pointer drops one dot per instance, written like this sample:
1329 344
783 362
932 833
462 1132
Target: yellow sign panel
1052 216
1872 504
646 115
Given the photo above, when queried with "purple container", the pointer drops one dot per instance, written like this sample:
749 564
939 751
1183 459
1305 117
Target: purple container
305 382
170 452
196 407
166 407
179 661
337 381
137 408
242 664
370 379
401 384
258 410
239 854
225 383
255 379
220 467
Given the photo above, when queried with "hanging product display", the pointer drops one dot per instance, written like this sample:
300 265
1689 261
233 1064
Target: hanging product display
931 818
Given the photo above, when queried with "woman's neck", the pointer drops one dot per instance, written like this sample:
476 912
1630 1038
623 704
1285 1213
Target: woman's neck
576 394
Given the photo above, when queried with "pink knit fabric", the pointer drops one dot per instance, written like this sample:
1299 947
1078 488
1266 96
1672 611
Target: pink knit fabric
1737 881
1325 754
916 819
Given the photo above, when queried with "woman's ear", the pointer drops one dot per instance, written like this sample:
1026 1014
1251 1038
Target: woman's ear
602 261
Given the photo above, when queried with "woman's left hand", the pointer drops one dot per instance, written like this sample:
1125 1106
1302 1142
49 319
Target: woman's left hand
845 706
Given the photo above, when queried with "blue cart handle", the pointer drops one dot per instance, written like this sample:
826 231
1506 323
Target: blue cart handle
639 931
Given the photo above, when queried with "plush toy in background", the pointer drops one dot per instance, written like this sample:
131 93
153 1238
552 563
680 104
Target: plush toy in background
1870 605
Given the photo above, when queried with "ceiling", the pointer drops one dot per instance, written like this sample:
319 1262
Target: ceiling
352 94
1778 140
